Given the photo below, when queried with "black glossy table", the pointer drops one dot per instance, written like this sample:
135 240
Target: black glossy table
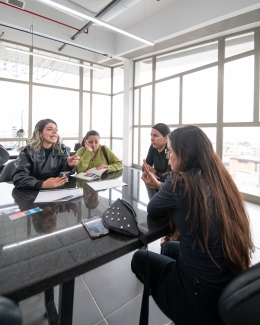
52 247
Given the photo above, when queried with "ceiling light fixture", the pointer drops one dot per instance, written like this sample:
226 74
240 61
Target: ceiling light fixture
51 58
95 20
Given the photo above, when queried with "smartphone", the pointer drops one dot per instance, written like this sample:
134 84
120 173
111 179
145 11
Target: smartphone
95 227
64 174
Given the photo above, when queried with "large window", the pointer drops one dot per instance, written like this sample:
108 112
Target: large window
199 101
59 105
77 98
102 80
14 111
187 59
56 73
118 80
214 85
241 155
239 44
167 100
143 72
14 65
101 114
239 90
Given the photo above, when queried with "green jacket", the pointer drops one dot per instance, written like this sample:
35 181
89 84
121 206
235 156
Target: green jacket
86 160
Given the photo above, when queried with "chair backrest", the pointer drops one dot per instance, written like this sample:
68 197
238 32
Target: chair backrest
4 155
10 313
7 172
77 146
239 303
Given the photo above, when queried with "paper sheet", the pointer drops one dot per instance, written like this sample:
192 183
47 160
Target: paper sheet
103 185
58 195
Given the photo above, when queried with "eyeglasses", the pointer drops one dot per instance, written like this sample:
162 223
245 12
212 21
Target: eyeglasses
167 152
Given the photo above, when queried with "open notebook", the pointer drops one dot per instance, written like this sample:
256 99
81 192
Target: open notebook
91 174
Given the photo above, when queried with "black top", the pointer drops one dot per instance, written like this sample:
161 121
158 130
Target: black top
191 255
159 161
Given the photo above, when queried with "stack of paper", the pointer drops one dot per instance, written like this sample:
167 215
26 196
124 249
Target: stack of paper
58 195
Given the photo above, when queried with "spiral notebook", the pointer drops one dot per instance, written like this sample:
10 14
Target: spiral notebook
91 174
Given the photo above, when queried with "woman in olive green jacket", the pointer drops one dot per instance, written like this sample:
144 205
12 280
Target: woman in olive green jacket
95 155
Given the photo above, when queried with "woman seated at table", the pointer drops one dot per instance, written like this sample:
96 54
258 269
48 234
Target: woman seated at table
215 244
39 164
156 159
95 155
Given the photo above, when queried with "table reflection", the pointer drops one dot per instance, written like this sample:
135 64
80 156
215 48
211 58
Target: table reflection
51 247
64 217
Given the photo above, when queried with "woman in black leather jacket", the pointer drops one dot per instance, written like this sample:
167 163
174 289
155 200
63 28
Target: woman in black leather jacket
39 164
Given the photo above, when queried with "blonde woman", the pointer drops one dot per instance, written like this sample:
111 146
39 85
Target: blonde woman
39 164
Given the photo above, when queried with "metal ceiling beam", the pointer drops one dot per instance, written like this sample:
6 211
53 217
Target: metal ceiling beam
98 15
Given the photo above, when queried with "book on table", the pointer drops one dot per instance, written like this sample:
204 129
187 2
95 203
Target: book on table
91 174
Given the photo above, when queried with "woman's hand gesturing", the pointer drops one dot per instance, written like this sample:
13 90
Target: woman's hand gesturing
73 160
149 177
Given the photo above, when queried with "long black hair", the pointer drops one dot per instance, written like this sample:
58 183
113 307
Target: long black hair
207 184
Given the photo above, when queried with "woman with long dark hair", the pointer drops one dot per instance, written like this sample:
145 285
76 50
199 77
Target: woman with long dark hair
208 213
39 164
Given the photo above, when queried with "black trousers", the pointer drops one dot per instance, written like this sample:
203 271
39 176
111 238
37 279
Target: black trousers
179 294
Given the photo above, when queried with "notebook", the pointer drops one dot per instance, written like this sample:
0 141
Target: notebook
91 174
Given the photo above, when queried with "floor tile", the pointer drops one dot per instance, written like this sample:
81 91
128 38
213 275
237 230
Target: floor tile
33 310
130 314
103 322
114 279
85 310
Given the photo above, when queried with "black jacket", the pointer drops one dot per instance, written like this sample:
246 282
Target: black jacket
32 169
159 161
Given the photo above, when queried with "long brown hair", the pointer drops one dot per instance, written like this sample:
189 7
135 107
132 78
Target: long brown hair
208 184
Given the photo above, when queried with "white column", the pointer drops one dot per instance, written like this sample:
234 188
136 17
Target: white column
128 113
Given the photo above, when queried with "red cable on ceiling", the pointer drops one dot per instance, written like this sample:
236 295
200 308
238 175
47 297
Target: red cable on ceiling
44 17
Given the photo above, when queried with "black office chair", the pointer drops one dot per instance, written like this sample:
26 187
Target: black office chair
10 313
7 172
4 155
77 146
239 303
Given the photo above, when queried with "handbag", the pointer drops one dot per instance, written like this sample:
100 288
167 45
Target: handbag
121 218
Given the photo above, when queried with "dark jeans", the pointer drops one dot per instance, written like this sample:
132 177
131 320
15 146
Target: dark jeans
10 314
179 294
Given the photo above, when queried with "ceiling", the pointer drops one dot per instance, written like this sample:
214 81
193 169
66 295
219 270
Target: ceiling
93 5
169 24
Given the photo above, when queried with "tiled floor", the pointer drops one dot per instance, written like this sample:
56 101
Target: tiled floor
111 295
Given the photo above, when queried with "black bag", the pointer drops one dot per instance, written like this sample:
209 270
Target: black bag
121 217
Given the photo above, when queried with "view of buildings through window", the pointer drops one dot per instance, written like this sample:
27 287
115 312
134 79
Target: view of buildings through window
194 86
